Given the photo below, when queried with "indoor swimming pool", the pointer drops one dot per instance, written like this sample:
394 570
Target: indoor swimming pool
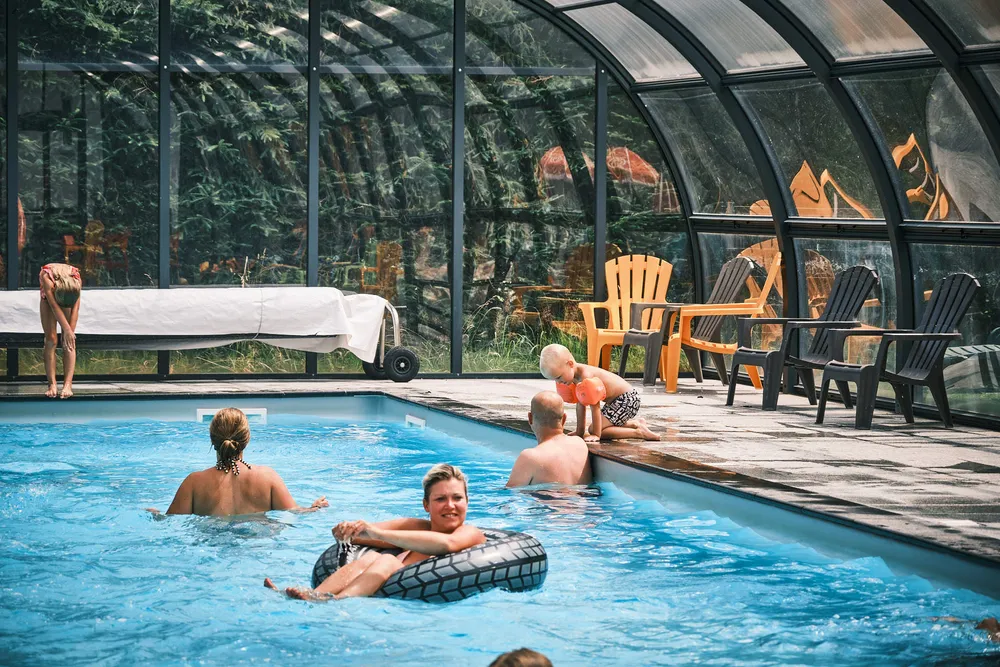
87 575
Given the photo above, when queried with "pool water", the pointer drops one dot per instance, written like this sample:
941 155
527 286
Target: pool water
87 576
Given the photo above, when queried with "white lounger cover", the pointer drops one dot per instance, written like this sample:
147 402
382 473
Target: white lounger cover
331 318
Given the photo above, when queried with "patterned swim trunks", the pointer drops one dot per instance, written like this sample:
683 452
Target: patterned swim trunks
621 409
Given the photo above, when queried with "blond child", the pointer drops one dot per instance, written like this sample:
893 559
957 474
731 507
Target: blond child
60 306
616 420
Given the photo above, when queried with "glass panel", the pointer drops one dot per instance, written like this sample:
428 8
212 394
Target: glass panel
992 76
821 161
716 250
502 33
238 195
385 202
971 374
944 160
91 362
734 34
247 357
528 218
717 168
976 22
820 260
87 151
88 32
856 27
644 216
644 52
239 32
3 182
395 32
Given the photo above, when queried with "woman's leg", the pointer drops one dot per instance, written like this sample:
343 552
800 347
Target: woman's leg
339 580
69 356
372 578
49 325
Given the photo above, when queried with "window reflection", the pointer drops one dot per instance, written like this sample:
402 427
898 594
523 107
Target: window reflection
529 217
717 167
943 158
819 156
385 202
972 364
502 33
390 33
240 32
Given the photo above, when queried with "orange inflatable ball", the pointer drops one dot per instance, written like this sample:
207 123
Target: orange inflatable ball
590 391
567 392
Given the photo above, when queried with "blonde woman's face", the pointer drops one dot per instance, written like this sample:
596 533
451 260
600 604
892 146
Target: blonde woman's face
447 504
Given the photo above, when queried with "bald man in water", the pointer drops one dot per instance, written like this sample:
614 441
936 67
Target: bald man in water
559 458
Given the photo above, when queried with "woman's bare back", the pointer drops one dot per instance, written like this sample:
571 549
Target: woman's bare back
217 493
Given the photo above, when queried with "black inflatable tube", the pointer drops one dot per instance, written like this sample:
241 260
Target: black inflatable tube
509 560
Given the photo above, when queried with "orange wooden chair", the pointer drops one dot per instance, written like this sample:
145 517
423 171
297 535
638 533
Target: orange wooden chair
630 279
687 336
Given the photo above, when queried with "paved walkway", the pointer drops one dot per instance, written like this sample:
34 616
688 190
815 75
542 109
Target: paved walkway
920 480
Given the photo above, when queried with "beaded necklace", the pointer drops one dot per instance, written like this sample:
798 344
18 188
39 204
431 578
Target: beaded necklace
232 465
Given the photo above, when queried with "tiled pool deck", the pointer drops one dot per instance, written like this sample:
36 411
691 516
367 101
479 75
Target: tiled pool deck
923 481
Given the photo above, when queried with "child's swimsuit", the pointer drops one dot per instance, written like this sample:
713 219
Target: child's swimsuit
47 270
621 409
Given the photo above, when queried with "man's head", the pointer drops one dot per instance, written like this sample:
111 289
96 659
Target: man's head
547 413
557 363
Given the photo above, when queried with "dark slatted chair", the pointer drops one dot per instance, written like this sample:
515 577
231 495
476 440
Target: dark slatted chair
847 296
723 301
923 363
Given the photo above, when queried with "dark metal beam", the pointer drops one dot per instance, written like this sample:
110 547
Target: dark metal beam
758 145
600 179
457 187
163 151
949 49
875 153
312 169
13 95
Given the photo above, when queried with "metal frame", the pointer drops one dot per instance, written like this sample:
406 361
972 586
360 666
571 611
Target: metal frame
947 51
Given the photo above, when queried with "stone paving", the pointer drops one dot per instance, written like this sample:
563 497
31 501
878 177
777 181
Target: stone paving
922 480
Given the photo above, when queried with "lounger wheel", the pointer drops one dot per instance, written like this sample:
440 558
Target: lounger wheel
374 369
401 364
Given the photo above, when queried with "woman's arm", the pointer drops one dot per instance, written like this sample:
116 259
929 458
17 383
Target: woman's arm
183 502
281 498
352 529
428 541
581 420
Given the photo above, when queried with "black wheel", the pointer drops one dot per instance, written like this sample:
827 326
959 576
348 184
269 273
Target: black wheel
374 369
401 364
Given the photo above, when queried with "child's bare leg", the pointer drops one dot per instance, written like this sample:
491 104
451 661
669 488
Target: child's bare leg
372 578
69 356
638 432
49 351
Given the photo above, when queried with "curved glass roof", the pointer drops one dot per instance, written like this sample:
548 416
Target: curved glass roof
739 39
855 28
975 22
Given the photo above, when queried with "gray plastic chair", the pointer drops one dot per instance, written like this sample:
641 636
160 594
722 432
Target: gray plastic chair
847 296
923 364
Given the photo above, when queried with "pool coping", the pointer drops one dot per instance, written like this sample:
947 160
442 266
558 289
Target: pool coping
775 494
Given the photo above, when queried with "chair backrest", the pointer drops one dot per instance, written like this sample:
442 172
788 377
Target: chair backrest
636 278
727 289
847 297
952 296
767 256
580 266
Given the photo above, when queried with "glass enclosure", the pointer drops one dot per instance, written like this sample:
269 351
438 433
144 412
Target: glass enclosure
475 161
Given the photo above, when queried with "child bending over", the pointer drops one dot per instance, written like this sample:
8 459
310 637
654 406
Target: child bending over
60 306
616 420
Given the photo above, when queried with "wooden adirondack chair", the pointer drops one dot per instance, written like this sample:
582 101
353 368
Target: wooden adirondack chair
705 335
630 279
923 364
846 299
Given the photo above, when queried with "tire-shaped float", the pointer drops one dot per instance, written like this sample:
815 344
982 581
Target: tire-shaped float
509 560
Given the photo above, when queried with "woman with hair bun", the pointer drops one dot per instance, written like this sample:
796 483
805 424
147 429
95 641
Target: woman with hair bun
233 486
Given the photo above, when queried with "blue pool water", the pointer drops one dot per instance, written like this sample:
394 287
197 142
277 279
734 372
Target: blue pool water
87 576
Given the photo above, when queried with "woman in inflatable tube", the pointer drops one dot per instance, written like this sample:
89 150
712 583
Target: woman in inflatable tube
445 500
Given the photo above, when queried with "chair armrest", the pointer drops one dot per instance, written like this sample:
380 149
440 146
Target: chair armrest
640 307
589 309
700 309
916 335
839 336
